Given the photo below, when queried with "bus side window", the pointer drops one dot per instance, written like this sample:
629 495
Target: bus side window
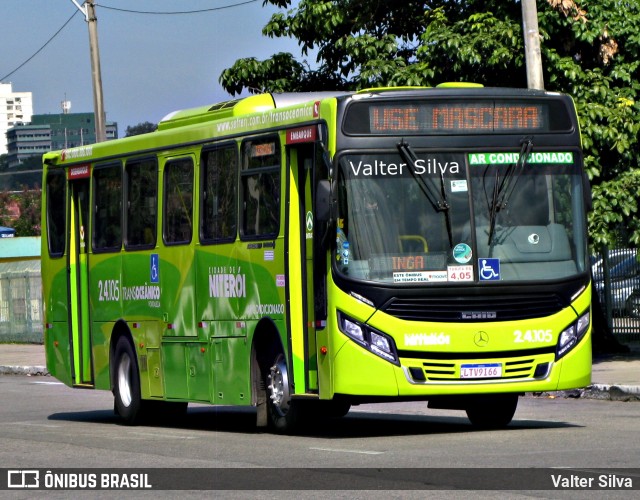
142 203
260 178
178 201
56 215
219 194
107 223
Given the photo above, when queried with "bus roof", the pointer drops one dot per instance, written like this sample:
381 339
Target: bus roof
188 120
194 125
240 107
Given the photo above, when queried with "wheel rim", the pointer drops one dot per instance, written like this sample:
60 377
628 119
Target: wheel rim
279 386
124 380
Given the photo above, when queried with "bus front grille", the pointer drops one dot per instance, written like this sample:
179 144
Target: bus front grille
474 308
437 369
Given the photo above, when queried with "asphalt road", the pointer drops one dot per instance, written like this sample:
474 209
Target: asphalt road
44 424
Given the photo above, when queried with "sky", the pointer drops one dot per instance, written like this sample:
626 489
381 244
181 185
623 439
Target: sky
151 64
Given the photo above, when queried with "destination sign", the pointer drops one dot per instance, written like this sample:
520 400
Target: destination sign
455 117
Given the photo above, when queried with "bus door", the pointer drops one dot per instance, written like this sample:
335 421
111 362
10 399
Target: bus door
305 288
78 278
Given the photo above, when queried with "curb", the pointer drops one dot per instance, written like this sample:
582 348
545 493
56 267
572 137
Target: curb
602 392
614 392
25 370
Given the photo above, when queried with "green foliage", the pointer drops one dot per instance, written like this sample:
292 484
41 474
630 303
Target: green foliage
140 128
5 209
281 73
593 54
27 202
590 50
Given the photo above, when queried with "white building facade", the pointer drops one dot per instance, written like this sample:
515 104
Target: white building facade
15 108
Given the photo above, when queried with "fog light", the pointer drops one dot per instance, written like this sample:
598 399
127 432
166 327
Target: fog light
417 374
542 370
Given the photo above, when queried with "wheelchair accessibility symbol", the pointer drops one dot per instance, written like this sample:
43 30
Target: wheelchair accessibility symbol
489 269
155 271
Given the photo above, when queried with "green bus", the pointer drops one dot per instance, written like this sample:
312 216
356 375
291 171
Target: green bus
303 253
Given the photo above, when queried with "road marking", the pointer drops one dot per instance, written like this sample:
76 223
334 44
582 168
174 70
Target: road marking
33 424
158 435
338 450
48 383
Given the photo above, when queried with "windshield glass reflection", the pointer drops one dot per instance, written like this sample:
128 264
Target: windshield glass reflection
428 220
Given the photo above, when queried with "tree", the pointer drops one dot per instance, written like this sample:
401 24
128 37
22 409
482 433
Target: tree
29 222
21 211
590 50
140 128
6 206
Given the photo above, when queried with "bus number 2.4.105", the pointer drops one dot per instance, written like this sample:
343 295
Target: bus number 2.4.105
109 290
532 336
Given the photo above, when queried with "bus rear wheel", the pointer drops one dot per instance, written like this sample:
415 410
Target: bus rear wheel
126 383
282 411
493 412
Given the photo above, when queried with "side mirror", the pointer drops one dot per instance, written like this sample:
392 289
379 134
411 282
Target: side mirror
323 201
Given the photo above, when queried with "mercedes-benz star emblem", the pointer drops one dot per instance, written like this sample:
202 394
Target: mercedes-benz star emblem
481 339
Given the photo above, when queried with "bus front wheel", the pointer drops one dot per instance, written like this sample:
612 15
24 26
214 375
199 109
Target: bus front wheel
492 412
126 384
282 411
333 408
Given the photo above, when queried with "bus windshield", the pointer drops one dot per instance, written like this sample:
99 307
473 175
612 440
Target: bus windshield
407 217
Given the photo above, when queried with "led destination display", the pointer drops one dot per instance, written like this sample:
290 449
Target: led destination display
455 117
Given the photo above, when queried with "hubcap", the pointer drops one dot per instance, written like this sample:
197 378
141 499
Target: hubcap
124 382
279 385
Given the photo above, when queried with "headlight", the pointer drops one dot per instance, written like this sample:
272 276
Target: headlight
352 329
570 337
373 340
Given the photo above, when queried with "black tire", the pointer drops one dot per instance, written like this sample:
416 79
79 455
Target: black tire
334 408
126 383
283 412
163 412
492 412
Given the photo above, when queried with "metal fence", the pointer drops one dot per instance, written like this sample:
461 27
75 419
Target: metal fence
616 280
21 307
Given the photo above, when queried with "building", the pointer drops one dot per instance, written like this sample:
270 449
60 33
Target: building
52 132
24 141
15 108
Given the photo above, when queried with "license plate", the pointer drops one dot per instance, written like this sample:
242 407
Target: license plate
488 370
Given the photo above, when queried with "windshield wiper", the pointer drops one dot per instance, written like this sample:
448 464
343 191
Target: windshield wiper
503 190
437 196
